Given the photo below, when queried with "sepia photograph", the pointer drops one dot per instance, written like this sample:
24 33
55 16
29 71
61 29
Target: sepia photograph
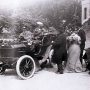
44 44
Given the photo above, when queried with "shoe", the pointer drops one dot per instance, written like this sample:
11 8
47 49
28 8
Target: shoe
49 66
43 65
59 72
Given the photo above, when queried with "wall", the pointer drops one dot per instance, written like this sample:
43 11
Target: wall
85 4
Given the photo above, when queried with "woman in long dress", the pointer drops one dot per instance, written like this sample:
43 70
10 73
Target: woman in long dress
73 62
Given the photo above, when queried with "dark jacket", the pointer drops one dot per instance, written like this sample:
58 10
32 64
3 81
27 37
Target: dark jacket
60 53
82 35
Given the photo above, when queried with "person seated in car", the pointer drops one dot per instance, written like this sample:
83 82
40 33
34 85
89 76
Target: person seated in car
26 35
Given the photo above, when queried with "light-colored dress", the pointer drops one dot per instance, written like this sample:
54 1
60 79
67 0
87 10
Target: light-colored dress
73 62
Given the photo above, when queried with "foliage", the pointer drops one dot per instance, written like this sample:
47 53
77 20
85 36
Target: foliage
50 12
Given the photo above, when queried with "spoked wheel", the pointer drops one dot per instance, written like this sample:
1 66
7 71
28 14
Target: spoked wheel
25 67
2 70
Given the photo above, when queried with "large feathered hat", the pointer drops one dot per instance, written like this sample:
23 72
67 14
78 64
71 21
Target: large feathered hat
40 23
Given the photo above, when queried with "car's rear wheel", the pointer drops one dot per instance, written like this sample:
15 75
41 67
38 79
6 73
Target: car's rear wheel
2 69
25 67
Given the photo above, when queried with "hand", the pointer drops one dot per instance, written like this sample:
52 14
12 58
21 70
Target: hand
40 62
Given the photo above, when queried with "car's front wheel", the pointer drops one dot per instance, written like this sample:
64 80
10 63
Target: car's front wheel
25 67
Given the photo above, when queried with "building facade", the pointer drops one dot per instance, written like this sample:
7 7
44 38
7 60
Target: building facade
85 11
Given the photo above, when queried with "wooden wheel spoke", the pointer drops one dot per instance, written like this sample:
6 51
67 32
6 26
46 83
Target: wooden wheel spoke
24 72
23 69
30 63
26 61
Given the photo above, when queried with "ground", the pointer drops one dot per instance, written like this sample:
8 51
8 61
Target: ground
47 80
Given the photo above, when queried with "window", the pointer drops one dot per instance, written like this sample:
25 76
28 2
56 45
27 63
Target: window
85 13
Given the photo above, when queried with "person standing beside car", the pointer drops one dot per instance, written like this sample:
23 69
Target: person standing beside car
60 52
73 60
82 35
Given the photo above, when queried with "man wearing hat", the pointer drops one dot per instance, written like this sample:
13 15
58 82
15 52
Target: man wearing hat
60 52
82 35
27 35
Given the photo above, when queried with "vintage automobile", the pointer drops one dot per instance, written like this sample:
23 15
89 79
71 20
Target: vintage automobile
21 55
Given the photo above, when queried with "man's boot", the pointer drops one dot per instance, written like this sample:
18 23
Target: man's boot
60 69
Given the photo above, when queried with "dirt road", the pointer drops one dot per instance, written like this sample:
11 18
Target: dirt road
45 80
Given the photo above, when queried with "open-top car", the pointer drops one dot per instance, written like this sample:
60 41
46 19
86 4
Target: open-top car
21 55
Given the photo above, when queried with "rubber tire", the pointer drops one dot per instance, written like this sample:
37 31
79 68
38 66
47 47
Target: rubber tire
18 66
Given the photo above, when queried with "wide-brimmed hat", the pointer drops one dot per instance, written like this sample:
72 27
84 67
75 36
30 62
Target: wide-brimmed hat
40 23
24 27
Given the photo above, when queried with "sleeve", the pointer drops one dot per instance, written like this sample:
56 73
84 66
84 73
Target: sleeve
58 41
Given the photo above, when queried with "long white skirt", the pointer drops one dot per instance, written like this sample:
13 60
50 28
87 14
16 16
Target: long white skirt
73 62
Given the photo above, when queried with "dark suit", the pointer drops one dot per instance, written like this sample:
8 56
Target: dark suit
60 52
82 35
86 57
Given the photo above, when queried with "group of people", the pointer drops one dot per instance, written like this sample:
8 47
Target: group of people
69 49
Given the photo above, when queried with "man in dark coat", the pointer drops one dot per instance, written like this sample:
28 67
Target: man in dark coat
82 35
60 52
86 57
